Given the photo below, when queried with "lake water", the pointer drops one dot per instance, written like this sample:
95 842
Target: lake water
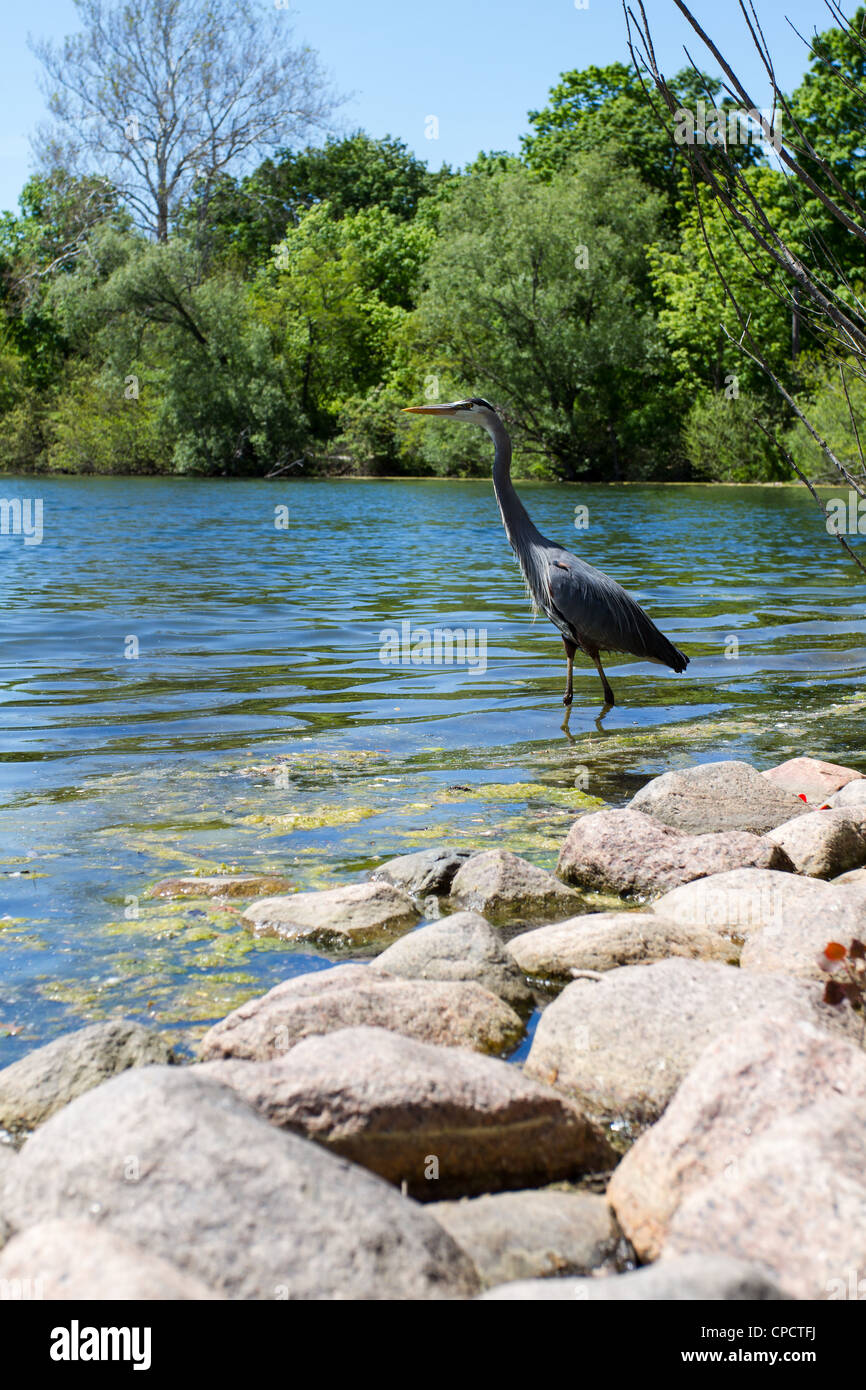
188 685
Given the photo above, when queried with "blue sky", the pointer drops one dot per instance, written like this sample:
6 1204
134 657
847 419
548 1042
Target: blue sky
477 65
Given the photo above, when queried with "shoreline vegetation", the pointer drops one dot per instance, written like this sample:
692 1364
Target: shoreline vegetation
525 482
244 320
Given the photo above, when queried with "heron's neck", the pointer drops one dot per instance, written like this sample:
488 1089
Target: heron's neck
515 518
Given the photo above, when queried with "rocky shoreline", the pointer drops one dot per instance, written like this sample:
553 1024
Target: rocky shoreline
688 1120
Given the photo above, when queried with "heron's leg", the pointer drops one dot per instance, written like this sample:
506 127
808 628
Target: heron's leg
570 649
608 693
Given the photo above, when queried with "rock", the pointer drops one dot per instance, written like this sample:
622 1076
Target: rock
505 889
747 901
821 844
355 914
175 1163
532 1235
853 794
81 1260
717 796
621 1045
399 1107
795 944
606 940
741 1086
796 1200
697 1277
632 854
220 886
453 1013
814 779
857 876
426 872
34 1087
460 947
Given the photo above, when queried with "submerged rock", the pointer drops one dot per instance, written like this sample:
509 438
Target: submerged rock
717 796
460 947
220 886
80 1260
453 1013
606 940
532 1235
34 1087
630 853
814 779
505 888
177 1164
425 872
822 844
442 1120
355 914
621 1045
699 1277
742 1085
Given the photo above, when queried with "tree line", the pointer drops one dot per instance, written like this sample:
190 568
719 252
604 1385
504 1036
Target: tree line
170 304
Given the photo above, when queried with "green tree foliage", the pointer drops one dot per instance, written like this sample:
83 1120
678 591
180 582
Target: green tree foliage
607 108
830 404
696 315
538 295
295 308
241 220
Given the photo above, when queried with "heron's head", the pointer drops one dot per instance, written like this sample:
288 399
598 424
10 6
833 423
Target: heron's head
474 411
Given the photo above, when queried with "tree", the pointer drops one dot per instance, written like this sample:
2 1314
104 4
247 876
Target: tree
822 290
608 108
538 295
247 216
161 95
334 297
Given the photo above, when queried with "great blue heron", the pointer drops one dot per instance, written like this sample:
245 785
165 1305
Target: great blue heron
593 613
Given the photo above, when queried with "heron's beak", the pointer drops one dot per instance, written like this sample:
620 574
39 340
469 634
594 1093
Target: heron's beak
430 409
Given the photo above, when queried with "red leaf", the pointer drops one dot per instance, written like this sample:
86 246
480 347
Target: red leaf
834 950
802 796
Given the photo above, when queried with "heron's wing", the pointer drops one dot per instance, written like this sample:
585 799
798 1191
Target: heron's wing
601 615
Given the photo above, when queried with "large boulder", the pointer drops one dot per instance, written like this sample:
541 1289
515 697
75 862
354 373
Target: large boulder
742 1085
822 844
630 853
607 940
795 943
355 915
810 777
34 1087
717 796
693 1277
441 1120
852 795
86 1262
177 1164
460 947
621 1045
454 1013
425 872
506 889
745 902
796 1201
532 1235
